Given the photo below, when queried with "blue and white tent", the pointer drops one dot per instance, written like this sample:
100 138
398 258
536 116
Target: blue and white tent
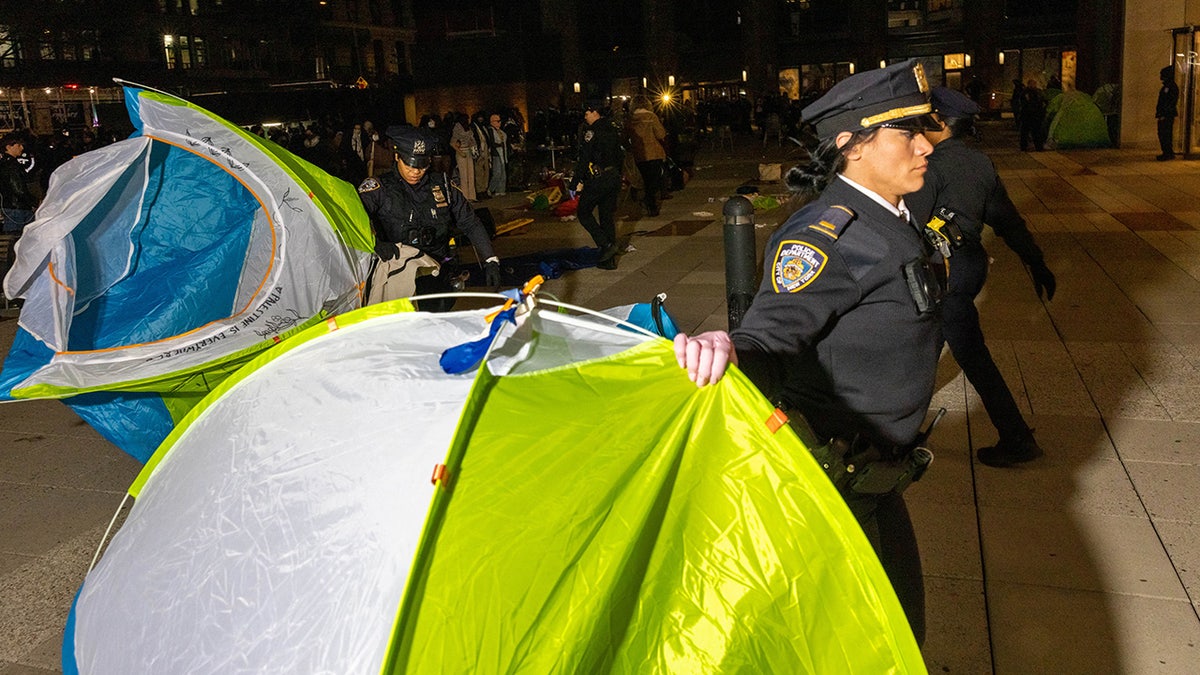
159 264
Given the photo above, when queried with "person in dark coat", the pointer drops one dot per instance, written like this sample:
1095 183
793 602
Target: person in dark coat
844 331
962 181
17 201
1165 112
597 180
1033 117
408 205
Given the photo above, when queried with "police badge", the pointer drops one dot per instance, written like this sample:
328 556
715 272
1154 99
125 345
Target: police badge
797 264
418 147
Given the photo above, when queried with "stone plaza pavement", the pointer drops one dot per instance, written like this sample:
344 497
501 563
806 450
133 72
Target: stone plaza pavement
1084 561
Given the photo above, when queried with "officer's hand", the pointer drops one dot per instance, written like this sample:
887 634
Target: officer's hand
579 187
386 250
1043 280
705 356
491 274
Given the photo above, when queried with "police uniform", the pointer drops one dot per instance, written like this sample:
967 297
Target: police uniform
962 181
423 215
844 329
599 170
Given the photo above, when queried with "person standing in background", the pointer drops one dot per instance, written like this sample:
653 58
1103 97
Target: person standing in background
462 139
1165 111
498 146
646 135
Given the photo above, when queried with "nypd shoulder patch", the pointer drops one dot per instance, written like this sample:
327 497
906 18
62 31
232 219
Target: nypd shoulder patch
369 185
797 264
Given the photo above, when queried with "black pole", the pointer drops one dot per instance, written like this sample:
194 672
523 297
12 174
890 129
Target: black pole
740 256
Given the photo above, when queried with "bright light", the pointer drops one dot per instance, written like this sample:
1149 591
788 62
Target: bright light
47 90
671 80
967 60
1000 58
666 98
576 87
851 67
644 85
882 64
743 76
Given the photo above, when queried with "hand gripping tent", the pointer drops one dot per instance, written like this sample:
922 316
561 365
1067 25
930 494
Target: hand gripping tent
157 264
577 505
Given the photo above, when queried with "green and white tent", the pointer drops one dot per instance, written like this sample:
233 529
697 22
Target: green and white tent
594 511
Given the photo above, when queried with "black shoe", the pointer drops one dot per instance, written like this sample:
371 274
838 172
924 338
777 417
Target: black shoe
608 257
1007 453
1163 158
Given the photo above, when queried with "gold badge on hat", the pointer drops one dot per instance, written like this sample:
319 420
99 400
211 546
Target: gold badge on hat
922 83
419 146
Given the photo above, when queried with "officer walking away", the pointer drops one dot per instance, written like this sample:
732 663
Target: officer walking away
413 215
597 180
1033 118
1165 112
844 331
963 190
17 202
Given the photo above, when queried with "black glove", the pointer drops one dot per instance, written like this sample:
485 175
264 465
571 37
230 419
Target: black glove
491 274
1043 280
386 250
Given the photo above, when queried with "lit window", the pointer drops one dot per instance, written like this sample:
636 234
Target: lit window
169 50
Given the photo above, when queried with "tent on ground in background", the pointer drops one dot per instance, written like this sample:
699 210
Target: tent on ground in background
1076 122
574 504
157 265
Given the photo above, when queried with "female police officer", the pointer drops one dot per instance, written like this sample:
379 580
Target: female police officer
962 181
408 206
844 329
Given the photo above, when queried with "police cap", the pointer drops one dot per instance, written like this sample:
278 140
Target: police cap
952 103
1167 72
895 96
596 104
413 145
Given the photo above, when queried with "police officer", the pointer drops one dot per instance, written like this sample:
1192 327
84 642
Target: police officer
844 330
597 180
407 205
17 202
962 182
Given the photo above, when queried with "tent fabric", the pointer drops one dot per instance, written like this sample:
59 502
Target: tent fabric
1077 122
156 258
601 513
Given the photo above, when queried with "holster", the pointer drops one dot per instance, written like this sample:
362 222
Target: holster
861 470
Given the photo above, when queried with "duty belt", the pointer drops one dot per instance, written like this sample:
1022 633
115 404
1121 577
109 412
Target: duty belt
861 469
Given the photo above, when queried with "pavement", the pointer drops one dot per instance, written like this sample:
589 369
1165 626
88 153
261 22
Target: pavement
1084 561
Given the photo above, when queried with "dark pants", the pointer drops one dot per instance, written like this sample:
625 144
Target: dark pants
600 192
14 221
960 325
1032 128
652 178
890 531
1166 136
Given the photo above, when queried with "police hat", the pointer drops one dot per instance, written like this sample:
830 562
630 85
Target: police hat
952 103
1167 72
413 145
596 104
896 96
